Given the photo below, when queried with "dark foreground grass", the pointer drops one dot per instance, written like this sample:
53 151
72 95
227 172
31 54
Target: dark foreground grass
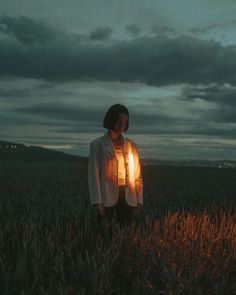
183 241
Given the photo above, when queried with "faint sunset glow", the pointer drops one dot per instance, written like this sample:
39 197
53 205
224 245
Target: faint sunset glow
57 146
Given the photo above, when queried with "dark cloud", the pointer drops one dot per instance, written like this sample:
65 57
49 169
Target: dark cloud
224 96
96 114
13 93
151 60
221 94
220 24
226 114
148 119
63 112
10 119
26 30
89 120
101 34
202 30
156 130
162 30
87 128
184 128
133 29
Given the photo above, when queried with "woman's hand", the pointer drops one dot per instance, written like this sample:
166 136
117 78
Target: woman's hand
101 209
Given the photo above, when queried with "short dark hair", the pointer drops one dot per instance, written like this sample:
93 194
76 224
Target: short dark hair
112 115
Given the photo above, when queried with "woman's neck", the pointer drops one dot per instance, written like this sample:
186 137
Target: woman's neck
115 136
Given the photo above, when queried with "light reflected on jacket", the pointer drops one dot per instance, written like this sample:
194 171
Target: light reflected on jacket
103 173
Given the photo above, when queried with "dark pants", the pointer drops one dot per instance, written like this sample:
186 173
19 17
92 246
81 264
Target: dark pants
122 213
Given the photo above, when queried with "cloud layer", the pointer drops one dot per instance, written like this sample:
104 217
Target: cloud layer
31 49
55 87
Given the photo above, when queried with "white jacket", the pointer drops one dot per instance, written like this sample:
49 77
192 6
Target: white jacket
103 173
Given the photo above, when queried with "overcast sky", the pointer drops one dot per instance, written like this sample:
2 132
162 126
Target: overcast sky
171 63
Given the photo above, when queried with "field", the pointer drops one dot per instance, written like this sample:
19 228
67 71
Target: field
183 240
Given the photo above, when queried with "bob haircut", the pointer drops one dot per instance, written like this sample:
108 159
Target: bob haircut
112 116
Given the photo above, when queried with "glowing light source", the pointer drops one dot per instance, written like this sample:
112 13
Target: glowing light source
131 169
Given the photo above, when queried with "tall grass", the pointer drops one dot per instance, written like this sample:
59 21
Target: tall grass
181 242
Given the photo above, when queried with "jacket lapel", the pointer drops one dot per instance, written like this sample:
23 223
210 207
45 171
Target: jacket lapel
108 144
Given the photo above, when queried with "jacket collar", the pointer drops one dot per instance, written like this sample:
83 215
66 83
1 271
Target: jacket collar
108 143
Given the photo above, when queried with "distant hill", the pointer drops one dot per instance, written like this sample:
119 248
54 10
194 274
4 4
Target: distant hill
10 151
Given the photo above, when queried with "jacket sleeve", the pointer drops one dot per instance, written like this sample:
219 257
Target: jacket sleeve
94 176
138 176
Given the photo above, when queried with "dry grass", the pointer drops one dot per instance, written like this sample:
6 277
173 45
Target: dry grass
49 242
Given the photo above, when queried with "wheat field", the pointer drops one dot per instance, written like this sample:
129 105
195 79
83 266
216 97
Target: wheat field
183 240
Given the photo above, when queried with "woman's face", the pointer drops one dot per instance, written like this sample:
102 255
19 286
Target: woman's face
121 123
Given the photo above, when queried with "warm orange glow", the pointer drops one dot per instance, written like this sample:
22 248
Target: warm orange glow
131 169
116 172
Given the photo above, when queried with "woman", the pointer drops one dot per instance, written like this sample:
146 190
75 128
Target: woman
114 171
